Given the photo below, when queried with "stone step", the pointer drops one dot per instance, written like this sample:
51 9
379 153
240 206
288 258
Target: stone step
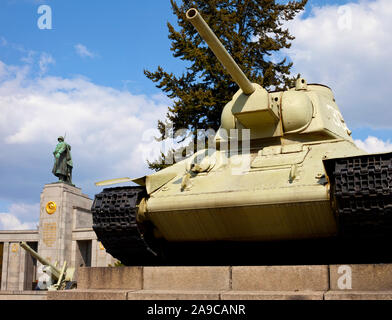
133 295
151 295
272 295
365 277
358 295
261 278
23 295
316 282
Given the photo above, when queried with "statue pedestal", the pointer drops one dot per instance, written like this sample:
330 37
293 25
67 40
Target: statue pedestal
59 203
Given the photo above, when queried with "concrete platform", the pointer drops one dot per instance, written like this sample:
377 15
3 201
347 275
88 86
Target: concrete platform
106 278
358 295
280 278
318 282
183 295
133 295
187 278
173 295
23 295
92 294
365 277
272 295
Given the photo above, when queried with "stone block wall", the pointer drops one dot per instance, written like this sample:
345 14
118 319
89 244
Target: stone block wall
57 237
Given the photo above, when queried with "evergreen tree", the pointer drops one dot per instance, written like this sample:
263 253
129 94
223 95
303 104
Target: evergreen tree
250 30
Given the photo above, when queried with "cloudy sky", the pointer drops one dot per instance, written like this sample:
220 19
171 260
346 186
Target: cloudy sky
84 77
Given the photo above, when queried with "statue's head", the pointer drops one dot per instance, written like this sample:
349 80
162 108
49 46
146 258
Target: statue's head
60 139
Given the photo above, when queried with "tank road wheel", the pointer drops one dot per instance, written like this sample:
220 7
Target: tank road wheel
361 191
114 221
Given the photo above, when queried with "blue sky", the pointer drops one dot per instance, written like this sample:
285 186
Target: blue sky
85 77
126 37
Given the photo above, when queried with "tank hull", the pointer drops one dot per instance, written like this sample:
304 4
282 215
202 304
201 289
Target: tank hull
266 203
301 219
344 214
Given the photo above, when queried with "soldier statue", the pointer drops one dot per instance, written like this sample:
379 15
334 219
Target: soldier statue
62 167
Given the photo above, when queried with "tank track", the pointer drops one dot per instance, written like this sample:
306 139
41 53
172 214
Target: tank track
361 194
114 222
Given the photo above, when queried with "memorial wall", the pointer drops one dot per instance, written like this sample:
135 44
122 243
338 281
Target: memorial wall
64 234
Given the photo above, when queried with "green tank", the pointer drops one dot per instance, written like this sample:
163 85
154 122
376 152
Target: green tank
295 175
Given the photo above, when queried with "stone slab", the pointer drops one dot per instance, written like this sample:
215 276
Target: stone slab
173 295
272 295
186 278
364 277
280 278
358 295
88 295
110 278
23 295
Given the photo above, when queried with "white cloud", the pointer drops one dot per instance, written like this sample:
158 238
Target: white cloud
374 145
349 49
103 125
18 212
44 61
10 222
24 210
29 58
82 51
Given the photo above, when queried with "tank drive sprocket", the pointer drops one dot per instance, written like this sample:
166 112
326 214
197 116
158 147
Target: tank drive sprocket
114 221
361 192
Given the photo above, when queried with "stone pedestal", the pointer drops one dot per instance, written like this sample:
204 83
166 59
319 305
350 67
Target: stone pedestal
308 282
58 203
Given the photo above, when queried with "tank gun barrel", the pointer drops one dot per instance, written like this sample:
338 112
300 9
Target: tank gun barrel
219 50
55 271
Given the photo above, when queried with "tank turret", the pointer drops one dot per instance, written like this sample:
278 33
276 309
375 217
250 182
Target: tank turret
306 109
